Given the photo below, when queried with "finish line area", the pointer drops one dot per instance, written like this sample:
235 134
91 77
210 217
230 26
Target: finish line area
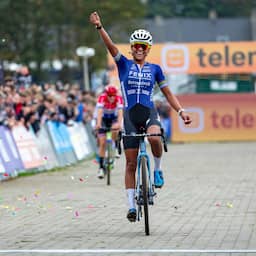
200 212
125 251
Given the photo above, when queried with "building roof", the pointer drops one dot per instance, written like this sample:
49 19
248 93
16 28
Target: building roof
199 30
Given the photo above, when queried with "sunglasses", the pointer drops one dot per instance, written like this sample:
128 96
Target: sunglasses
111 95
144 47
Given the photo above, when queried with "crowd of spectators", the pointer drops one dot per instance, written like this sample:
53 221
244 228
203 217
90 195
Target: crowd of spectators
22 102
34 105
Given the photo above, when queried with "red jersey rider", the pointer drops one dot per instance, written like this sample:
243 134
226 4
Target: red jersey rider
109 114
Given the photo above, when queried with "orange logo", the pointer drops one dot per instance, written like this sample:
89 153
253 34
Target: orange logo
195 115
175 58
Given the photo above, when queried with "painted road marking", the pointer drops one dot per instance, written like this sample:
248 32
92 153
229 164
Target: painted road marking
67 251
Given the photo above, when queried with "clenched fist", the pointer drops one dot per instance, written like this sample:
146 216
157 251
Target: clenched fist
95 19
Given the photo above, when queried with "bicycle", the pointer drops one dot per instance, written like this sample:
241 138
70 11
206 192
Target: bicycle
144 191
109 159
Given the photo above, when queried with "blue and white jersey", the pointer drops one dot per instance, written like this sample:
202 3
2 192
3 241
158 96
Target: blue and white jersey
137 83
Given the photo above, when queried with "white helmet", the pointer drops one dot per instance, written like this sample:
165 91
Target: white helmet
142 36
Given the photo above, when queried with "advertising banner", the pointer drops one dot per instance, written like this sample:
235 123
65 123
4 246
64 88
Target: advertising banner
46 148
9 153
197 58
216 117
61 141
60 137
27 147
79 140
2 170
2 167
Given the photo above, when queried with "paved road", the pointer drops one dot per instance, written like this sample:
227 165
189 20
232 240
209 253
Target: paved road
208 202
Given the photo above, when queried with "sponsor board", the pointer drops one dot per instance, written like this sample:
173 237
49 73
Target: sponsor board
217 117
197 58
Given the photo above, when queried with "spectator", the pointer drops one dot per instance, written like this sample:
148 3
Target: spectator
24 79
1 73
164 110
72 111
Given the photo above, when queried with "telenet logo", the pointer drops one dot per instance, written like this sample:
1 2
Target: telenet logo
197 125
175 58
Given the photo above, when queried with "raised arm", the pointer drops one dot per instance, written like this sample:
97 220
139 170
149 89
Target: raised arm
95 20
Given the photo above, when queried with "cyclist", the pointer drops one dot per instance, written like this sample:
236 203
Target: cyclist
109 109
138 78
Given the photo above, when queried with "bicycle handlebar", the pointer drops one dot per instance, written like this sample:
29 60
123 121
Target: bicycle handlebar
107 129
141 134
104 130
122 134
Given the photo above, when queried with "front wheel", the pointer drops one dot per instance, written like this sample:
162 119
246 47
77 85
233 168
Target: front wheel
144 182
108 162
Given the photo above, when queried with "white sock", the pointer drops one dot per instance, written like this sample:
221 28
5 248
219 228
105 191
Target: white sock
130 194
157 161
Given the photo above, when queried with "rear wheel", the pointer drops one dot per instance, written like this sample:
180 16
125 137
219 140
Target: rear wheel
145 192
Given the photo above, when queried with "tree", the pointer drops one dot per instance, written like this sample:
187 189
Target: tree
39 30
198 8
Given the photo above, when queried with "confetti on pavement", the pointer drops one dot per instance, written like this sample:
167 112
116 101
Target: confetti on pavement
70 196
4 206
36 194
229 205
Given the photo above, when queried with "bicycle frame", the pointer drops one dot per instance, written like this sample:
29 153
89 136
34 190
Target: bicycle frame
143 153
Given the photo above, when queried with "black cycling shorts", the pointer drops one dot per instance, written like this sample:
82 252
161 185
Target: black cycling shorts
106 123
134 118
